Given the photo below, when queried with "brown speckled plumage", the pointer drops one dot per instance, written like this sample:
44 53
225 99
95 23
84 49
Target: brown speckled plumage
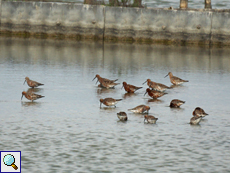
156 86
105 83
140 109
199 112
130 88
150 119
122 116
31 96
154 94
109 102
175 80
175 103
32 83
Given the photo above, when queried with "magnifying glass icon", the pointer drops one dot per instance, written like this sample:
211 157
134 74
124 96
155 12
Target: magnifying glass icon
9 160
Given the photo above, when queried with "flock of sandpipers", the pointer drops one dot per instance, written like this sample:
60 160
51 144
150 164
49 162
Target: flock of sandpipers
155 91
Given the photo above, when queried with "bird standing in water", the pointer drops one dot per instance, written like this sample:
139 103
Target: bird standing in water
105 83
32 83
156 86
130 88
175 80
154 94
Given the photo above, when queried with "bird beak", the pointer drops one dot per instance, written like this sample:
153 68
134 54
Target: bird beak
24 82
144 82
166 75
122 86
145 93
22 96
97 80
100 104
94 78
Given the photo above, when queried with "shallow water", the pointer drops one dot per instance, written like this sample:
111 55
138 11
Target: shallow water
66 131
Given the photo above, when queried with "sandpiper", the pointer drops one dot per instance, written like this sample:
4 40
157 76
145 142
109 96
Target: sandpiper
32 83
199 112
122 116
156 86
31 96
154 94
175 103
195 120
140 109
108 84
109 101
100 79
150 119
130 88
175 80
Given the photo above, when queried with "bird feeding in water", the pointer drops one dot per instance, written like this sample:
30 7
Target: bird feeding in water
109 102
199 112
122 116
175 103
140 109
31 96
150 119
195 120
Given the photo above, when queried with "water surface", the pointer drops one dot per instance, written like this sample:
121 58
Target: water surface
66 131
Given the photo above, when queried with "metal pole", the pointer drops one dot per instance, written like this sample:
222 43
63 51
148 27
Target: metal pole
183 4
208 4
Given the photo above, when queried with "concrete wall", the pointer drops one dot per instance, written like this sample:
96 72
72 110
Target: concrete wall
115 23
67 19
157 24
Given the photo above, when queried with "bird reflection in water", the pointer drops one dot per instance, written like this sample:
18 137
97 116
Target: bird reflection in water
28 104
105 90
155 100
127 95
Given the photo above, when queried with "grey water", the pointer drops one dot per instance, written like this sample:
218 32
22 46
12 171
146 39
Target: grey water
66 131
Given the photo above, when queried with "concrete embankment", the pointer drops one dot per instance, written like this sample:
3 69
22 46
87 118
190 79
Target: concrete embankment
72 20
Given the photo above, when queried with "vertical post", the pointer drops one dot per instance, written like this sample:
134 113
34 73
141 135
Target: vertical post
0 12
183 4
208 4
